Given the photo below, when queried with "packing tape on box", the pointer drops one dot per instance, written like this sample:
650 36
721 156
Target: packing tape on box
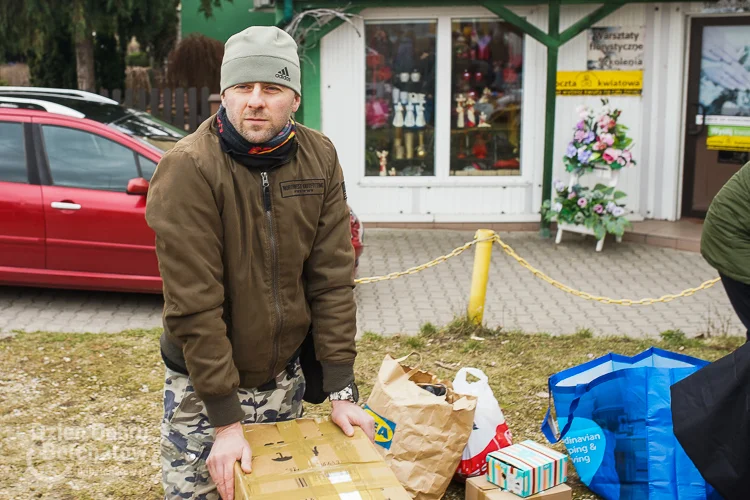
297 460
343 482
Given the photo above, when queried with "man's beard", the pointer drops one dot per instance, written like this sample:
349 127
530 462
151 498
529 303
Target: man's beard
256 136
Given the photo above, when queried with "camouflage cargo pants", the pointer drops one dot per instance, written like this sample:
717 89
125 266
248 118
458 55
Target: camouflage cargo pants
187 436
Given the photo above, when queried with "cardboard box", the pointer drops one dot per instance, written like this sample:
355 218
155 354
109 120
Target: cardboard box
478 488
313 459
527 468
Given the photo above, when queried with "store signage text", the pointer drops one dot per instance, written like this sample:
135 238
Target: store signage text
615 48
599 82
728 138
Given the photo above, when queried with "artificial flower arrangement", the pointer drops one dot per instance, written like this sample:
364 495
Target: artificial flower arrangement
599 209
599 142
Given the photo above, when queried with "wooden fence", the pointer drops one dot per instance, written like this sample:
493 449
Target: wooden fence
183 108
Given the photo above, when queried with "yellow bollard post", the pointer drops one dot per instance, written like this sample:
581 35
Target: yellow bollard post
480 275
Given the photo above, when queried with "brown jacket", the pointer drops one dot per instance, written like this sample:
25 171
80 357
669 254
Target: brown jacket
248 266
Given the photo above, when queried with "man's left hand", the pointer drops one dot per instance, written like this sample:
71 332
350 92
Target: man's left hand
346 415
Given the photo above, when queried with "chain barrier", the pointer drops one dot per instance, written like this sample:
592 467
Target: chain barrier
417 269
539 274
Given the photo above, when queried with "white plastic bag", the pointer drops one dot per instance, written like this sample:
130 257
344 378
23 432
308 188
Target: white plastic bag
490 432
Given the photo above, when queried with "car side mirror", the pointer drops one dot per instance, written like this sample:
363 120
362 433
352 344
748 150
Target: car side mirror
139 186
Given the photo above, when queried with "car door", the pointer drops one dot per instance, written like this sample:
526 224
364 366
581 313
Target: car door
21 210
92 224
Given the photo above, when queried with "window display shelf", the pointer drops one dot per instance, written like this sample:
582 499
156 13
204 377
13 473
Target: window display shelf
487 66
490 129
487 173
399 105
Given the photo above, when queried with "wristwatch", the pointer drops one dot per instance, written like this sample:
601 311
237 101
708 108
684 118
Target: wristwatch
348 393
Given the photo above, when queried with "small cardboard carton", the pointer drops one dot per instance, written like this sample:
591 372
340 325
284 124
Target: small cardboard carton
313 459
478 488
527 468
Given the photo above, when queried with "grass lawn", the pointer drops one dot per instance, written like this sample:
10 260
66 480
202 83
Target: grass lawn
79 413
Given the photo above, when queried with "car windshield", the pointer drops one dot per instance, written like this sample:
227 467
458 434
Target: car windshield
148 128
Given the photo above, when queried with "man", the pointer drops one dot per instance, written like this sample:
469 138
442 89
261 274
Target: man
725 242
254 247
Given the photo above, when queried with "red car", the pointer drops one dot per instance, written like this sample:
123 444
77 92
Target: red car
74 172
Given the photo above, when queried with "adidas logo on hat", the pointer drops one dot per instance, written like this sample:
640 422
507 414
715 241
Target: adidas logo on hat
284 74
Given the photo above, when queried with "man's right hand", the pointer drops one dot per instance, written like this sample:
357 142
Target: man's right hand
229 446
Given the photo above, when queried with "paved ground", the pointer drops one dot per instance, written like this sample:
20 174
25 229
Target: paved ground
515 299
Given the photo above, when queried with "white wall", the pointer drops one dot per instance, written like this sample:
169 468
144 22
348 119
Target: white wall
573 57
654 119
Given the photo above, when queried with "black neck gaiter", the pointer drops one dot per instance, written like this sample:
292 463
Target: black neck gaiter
273 153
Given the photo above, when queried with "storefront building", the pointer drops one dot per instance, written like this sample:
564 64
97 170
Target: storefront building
438 112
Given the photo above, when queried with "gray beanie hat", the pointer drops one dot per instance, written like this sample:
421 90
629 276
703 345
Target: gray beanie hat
261 54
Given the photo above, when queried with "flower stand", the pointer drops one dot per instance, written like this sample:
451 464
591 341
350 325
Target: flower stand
608 178
601 147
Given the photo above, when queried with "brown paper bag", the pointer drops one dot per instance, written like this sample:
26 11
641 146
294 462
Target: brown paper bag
421 435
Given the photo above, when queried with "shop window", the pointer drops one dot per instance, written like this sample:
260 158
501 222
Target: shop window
486 88
400 90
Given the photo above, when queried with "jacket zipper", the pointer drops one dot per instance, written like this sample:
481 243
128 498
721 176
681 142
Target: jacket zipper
274 270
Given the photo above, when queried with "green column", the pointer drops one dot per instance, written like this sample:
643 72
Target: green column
309 112
550 101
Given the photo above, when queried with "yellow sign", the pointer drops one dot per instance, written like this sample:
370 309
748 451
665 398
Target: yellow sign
599 82
728 138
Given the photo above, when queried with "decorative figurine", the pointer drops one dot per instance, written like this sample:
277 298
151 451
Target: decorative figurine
415 76
420 122
410 120
486 95
398 119
460 100
392 172
383 155
471 119
483 120
404 77
485 104
421 153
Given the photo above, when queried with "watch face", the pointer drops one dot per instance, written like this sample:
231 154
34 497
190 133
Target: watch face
355 392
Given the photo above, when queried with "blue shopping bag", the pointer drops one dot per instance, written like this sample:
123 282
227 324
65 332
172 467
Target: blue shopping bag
616 420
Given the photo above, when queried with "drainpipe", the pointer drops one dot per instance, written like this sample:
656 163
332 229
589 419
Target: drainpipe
284 13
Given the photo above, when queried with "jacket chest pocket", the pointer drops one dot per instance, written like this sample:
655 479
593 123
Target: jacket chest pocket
300 205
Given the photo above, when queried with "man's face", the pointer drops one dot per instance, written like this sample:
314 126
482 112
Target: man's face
259 111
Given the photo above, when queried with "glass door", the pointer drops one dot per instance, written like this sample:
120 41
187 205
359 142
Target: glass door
717 140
